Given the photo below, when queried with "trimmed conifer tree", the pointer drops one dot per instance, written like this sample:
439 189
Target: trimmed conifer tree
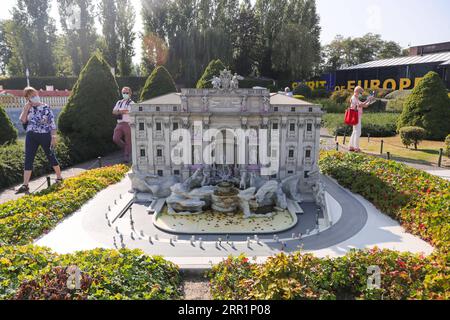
8 133
159 83
86 122
428 107
213 69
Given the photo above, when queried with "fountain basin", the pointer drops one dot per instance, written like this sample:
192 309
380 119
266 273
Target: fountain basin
225 198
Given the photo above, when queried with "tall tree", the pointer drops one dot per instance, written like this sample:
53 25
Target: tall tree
30 35
126 36
77 21
351 51
5 50
296 51
247 46
108 19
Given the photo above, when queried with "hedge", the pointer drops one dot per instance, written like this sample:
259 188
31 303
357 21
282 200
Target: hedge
27 218
12 159
375 124
428 107
86 123
8 133
304 277
418 200
159 83
30 272
67 83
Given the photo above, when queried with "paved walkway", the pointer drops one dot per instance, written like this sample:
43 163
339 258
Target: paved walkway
40 183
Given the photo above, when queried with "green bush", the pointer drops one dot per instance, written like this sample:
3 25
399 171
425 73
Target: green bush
341 96
125 274
320 93
396 105
8 133
303 90
428 107
27 218
375 124
86 122
447 145
12 158
412 135
159 83
398 94
66 83
213 69
418 200
330 106
305 277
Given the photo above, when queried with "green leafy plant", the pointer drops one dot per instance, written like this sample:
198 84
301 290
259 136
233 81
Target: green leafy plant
303 90
375 124
8 133
12 158
30 272
86 122
412 135
159 83
428 107
213 69
29 217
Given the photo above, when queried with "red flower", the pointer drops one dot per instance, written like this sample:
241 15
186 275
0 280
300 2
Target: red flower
401 264
245 260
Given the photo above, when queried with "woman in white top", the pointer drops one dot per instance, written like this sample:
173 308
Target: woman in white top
357 104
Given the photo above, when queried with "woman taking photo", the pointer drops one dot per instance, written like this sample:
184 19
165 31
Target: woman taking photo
39 121
357 104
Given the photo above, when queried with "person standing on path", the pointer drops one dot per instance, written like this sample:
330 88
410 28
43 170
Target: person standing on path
122 132
39 122
357 104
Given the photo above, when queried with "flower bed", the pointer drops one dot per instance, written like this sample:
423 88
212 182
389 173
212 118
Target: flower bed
27 218
27 271
303 276
419 201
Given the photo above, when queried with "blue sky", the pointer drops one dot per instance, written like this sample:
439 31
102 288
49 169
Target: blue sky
408 22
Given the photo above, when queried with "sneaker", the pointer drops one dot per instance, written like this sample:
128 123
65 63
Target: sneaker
351 149
23 189
60 180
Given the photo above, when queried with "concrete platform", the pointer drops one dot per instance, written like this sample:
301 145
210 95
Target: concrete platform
359 226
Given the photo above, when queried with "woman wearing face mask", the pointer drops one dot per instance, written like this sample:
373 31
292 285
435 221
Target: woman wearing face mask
122 133
39 121
357 104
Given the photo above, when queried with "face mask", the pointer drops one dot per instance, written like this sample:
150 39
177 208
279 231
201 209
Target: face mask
35 99
126 96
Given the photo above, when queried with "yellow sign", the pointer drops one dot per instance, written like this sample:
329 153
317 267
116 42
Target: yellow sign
391 84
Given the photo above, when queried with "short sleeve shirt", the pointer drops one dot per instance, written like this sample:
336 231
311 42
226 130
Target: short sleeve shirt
124 105
41 119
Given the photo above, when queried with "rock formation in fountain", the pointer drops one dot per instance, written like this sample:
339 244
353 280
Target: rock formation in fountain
156 186
290 187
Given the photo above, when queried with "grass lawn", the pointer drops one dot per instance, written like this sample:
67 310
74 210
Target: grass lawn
427 152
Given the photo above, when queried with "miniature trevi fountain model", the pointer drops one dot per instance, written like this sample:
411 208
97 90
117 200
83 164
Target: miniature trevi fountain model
222 172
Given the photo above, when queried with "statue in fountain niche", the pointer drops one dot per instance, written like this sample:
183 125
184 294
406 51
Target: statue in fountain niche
216 82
